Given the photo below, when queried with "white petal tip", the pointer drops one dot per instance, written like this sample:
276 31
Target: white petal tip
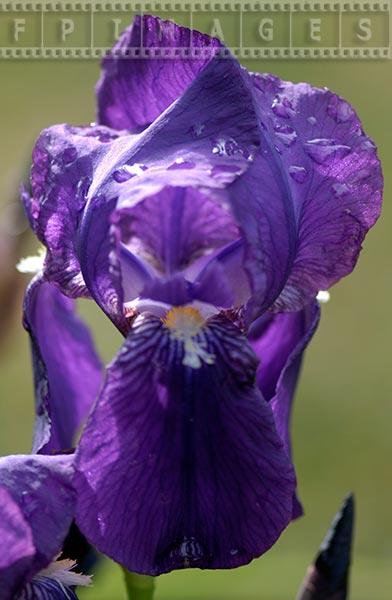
32 264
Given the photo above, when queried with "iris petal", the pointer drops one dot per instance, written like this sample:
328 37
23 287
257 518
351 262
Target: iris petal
221 97
321 193
18 547
133 93
41 487
182 466
67 370
62 169
177 226
43 588
279 341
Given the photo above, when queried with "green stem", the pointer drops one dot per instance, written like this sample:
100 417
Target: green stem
139 587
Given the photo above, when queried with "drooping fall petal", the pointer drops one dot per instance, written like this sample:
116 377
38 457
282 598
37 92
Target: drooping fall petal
67 370
180 464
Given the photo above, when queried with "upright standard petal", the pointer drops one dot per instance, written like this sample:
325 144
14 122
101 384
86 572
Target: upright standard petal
168 155
67 370
133 91
180 464
17 543
41 488
315 190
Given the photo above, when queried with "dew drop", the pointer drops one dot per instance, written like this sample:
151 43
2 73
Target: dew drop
82 190
312 120
35 208
321 150
265 82
340 110
360 175
221 169
282 107
187 553
368 145
121 175
219 148
69 155
234 551
180 163
285 134
229 147
298 173
128 171
340 189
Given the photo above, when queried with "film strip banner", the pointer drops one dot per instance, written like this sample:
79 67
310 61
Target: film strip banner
251 30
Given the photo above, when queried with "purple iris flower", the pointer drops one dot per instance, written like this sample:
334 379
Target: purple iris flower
37 504
203 213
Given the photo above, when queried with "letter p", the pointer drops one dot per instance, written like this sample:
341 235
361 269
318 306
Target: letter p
67 27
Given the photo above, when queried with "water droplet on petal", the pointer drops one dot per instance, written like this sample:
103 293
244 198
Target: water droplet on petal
181 163
234 551
360 175
321 150
340 110
285 134
298 173
229 147
282 107
265 82
69 155
82 191
340 189
219 169
219 148
368 145
121 175
312 120
128 171
188 553
232 147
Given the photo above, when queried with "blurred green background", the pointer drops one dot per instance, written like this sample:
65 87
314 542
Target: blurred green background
343 412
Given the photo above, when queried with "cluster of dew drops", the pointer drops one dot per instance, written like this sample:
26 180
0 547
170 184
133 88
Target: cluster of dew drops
321 150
